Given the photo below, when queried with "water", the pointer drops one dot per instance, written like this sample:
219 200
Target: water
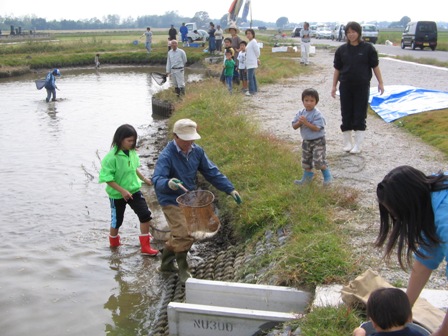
58 274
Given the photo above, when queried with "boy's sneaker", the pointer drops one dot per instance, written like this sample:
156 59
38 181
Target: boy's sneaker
248 93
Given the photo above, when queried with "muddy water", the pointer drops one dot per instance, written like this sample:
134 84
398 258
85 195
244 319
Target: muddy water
58 275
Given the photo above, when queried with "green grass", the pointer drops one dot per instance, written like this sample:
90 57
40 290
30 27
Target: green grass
431 127
330 321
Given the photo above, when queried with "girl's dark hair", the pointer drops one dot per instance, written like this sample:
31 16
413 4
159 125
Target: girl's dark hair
353 26
250 30
228 39
389 307
406 213
123 132
312 93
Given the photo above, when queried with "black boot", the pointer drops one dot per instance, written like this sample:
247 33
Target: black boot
182 91
167 264
184 271
177 91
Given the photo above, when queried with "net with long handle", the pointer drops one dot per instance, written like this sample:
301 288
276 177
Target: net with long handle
197 206
159 78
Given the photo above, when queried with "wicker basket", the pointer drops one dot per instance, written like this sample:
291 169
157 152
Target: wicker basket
197 207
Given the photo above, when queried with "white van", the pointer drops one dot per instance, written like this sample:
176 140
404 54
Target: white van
369 32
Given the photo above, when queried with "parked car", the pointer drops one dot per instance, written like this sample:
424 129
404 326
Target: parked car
369 32
313 30
420 34
296 32
338 32
323 33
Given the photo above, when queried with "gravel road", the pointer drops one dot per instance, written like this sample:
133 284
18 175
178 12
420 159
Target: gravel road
386 146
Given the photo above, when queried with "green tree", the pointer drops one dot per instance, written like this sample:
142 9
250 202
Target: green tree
281 22
202 19
405 20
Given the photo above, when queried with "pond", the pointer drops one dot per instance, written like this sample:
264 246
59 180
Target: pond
59 275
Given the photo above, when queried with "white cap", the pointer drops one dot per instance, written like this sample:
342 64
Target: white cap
185 129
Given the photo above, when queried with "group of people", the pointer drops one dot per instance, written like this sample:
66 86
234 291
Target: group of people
413 206
241 60
178 164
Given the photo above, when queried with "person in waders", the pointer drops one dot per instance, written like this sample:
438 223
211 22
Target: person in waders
50 84
175 64
178 163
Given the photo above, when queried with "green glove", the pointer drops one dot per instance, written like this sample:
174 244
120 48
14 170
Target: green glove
173 184
236 196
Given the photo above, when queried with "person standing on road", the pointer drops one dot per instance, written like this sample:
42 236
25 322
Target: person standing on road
252 61
148 36
414 219
175 64
178 163
312 124
353 65
305 44
50 84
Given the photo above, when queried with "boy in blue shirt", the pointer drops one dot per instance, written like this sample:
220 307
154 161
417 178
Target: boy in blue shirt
312 128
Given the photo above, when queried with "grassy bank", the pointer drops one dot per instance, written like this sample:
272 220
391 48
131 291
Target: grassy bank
75 50
262 168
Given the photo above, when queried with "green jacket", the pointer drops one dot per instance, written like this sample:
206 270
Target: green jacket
121 169
229 66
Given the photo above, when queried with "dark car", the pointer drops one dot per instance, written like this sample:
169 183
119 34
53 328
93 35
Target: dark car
262 28
420 34
296 32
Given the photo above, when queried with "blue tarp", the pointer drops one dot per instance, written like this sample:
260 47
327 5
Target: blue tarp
399 101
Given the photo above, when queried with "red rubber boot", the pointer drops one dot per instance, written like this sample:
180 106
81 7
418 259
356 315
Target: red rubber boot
146 246
114 241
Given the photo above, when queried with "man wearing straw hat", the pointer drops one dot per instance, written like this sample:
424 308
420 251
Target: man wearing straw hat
178 163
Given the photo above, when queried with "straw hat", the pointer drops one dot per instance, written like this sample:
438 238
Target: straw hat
232 26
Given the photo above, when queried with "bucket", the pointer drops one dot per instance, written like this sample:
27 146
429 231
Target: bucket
197 206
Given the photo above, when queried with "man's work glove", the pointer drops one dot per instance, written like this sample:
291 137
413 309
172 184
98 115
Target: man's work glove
174 183
236 197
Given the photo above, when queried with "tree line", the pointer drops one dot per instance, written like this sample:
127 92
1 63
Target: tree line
114 21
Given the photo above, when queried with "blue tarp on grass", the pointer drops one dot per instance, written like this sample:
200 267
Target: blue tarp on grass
399 101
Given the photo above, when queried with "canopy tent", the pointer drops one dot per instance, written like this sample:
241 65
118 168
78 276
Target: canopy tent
399 101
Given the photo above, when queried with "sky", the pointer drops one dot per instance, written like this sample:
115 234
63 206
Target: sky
265 10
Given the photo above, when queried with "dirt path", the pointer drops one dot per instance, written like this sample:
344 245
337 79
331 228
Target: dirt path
386 146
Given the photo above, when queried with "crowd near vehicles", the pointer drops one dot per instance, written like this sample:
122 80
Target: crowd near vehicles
369 32
420 34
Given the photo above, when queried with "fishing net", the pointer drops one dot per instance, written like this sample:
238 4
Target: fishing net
40 83
159 78
197 206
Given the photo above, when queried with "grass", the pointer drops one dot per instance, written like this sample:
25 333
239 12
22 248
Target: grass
330 321
431 127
